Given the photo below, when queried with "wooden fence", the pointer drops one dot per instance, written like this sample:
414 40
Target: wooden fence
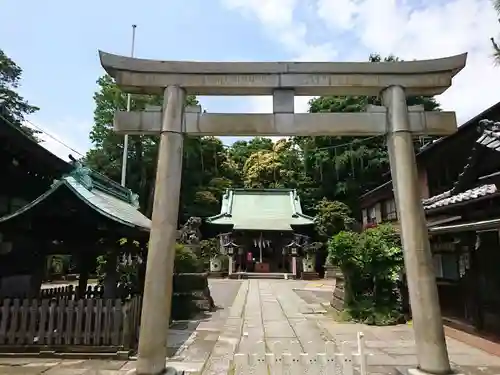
110 324
70 292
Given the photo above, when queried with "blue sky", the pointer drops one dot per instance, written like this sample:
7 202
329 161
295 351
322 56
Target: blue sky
56 43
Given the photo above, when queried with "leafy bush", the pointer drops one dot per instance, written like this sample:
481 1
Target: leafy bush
331 218
371 262
186 260
209 249
128 276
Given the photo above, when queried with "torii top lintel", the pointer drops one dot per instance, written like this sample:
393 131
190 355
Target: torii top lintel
424 77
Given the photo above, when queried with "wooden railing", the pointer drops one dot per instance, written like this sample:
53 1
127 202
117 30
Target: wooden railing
103 323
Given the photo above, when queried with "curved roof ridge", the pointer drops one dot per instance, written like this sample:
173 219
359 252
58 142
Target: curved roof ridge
261 209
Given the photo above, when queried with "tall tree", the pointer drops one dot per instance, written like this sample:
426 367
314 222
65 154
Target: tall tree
240 151
207 172
12 105
207 169
107 151
342 168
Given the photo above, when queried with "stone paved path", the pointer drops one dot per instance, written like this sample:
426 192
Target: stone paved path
256 314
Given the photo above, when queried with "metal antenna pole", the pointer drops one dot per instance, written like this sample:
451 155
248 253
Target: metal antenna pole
125 140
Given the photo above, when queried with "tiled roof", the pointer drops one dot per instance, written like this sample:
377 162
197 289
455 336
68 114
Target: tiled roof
446 199
261 209
491 134
489 138
101 194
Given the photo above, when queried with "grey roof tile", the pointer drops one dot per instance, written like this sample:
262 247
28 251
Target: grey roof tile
446 199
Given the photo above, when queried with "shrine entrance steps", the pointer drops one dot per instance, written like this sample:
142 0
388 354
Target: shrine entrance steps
262 275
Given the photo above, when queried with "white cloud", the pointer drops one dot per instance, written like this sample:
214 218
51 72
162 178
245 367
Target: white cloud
278 20
437 29
434 29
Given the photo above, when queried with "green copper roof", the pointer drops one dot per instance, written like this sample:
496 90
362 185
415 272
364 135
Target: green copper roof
261 209
99 192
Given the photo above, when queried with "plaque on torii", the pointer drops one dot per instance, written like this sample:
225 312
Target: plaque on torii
393 81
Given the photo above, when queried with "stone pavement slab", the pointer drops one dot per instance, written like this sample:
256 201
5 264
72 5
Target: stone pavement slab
258 314
396 347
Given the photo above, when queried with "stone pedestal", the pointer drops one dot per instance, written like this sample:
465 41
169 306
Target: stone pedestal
230 265
308 264
216 264
339 291
216 268
330 271
294 266
309 276
308 268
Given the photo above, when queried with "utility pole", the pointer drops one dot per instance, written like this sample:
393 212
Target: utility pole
125 139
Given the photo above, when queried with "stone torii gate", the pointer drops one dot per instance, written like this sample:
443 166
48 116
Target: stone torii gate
283 80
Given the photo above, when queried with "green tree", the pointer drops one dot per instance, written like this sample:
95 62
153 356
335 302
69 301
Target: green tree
107 151
273 166
343 168
371 262
207 172
240 151
331 218
13 107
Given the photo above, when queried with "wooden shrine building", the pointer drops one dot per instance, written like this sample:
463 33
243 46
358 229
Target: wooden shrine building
52 207
467 248
262 231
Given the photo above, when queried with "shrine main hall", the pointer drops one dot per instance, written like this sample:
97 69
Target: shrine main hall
263 231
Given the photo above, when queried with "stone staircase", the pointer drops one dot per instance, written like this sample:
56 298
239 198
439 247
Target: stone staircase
262 275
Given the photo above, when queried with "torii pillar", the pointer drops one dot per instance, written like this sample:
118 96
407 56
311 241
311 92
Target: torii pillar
283 80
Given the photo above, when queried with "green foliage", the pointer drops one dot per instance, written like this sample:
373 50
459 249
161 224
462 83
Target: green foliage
209 249
371 262
331 218
106 155
186 260
343 168
12 105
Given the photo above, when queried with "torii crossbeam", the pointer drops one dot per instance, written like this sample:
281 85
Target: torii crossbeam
284 80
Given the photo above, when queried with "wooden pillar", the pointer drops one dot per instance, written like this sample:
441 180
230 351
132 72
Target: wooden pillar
37 274
111 277
141 270
86 262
